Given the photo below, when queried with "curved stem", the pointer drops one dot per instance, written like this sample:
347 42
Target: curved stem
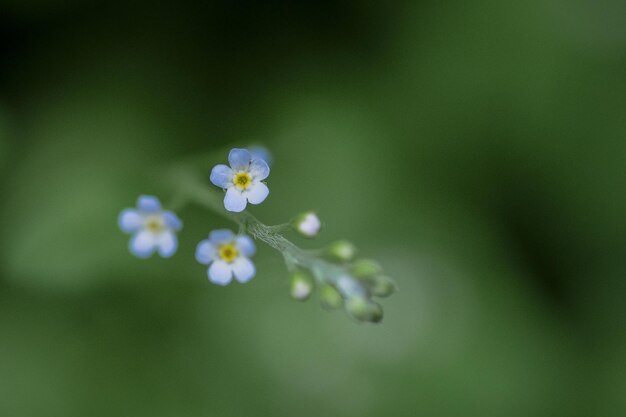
189 188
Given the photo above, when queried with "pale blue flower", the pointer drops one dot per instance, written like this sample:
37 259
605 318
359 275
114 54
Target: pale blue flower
227 255
153 228
242 180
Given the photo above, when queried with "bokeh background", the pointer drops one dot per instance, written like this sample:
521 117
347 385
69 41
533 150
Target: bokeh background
476 148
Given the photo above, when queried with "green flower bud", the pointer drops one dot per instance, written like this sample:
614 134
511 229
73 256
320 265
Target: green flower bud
330 296
301 286
365 268
341 251
377 313
363 309
382 286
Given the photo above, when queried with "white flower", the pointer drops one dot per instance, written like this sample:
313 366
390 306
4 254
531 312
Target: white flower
153 229
227 255
242 180
308 224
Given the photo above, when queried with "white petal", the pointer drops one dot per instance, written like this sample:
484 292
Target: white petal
221 175
220 273
167 244
239 159
234 200
310 225
205 252
143 244
259 169
257 193
243 269
261 152
130 220
245 245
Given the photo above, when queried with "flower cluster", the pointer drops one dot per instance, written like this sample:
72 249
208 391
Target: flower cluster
340 280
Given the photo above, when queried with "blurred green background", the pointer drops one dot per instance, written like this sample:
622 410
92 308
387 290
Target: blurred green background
476 148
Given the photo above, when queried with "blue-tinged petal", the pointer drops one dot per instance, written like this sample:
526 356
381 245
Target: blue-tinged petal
261 152
257 193
148 204
220 273
143 244
239 159
349 287
234 200
167 244
243 269
222 176
130 221
205 252
245 245
259 169
172 221
221 236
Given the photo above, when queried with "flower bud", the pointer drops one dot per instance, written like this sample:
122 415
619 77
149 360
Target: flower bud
365 268
330 296
363 309
342 251
307 224
382 286
301 286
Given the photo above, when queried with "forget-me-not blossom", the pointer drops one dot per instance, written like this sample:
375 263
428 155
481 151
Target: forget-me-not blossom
153 228
227 255
242 180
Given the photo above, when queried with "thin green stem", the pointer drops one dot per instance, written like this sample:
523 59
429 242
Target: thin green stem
191 189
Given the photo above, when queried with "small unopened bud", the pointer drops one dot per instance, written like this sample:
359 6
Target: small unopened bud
365 268
363 309
342 251
382 286
301 286
330 296
377 313
307 224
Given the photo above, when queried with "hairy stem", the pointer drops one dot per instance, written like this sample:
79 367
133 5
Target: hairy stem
191 188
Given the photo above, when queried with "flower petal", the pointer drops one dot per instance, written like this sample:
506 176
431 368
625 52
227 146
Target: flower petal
245 245
259 169
261 152
234 200
172 221
257 193
148 204
221 236
205 252
130 220
220 273
167 244
239 159
244 270
143 244
221 175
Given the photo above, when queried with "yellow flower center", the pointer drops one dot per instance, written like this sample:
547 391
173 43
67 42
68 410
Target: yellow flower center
228 252
155 224
242 180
